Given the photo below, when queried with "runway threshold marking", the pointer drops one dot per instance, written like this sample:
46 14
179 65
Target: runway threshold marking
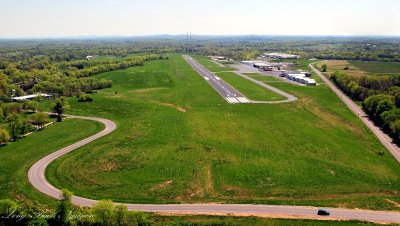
243 100
232 100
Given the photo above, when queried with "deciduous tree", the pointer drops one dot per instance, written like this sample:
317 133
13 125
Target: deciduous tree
59 106
4 137
103 211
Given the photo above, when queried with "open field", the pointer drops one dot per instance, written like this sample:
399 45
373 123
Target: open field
377 67
249 89
359 68
18 156
178 141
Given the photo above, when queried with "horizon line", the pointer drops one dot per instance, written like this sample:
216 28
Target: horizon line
196 35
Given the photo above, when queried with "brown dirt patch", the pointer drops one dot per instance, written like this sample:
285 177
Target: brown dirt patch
177 107
108 166
162 185
393 202
209 183
148 90
195 189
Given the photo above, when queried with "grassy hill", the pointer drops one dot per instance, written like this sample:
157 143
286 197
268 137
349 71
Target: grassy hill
179 141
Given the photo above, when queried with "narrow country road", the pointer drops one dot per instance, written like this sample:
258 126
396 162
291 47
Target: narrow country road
36 176
383 137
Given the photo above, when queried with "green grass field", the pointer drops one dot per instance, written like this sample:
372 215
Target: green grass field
249 89
206 62
263 78
377 67
17 157
179 141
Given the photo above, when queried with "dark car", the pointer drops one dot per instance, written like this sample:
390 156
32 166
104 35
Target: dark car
323 212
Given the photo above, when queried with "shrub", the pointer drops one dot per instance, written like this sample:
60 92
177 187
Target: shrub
4 137
85 98
39 119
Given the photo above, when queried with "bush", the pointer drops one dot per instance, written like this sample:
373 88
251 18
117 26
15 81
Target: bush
4 137
39 119
85 98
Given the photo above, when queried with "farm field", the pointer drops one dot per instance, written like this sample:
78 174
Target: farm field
358 68
377 67
18 156
178 141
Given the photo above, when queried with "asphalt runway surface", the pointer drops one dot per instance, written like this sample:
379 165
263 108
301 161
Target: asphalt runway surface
230 94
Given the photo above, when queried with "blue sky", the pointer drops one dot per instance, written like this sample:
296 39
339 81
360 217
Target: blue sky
56 18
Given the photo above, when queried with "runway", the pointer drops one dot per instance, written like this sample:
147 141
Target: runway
230 94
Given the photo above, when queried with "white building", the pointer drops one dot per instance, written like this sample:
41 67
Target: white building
29 97
281 56
310 82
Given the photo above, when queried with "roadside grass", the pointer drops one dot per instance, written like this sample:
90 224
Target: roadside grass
235 220
17 157
213 67
178 141
250 89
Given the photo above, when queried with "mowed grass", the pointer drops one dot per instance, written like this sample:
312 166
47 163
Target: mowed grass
17 157
210 65
264 78
250 89
178 141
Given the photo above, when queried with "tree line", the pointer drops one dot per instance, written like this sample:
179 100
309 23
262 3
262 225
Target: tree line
67 78
380 96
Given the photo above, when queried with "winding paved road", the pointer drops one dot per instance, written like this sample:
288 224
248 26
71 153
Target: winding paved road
383 137
36 176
